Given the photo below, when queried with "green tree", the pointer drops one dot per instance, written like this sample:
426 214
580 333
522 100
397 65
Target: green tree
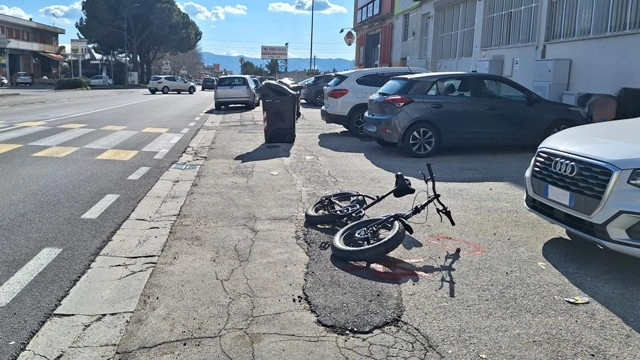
272 67
153 28
247 68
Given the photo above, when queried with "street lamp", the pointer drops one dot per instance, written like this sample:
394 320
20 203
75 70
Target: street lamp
286 59
311 50
126 60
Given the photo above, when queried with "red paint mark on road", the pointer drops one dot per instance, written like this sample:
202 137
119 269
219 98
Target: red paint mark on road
450 244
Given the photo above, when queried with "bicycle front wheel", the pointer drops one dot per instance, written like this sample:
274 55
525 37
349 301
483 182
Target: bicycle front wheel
367 240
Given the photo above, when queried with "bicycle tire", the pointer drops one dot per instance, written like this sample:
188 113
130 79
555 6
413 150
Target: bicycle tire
323 212
347 246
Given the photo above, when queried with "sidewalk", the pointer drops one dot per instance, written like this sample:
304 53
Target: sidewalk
206 267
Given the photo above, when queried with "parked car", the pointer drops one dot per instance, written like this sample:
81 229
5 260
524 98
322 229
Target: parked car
587 180
257 84
424 112
21 77
346 95
100 80
208 83
312 91
3 81
235 89
170 83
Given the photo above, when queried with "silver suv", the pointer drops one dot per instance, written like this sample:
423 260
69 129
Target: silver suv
587 180
346 96
235 89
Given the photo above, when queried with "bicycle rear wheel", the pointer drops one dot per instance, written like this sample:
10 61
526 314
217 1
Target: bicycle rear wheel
362 240
331 208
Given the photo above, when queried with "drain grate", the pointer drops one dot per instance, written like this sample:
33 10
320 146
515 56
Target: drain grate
180 166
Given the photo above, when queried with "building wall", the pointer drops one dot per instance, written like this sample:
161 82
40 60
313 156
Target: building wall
27 39
598 65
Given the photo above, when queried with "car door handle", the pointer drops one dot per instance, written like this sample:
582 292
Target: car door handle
436 106
490 108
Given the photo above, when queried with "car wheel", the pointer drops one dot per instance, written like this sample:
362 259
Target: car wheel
356 121
202 89
557 126
165 90
218 107
318 100
152 92
192 90
251 105
421 140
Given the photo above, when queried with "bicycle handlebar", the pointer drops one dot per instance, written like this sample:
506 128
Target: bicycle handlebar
443 210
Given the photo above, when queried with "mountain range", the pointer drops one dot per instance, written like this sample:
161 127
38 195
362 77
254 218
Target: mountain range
232 63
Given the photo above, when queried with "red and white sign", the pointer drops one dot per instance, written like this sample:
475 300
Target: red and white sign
349 38
274 52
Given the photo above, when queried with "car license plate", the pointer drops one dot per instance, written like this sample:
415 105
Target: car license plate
559 195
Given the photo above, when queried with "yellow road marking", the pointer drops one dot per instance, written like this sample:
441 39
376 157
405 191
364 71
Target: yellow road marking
32 123
117 155
8 147
72 126
155 130
56 151
113 127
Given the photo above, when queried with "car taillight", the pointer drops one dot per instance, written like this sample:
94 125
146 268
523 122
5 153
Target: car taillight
336 94
398 101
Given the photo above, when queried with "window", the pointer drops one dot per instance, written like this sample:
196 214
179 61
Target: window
424 37
405 27
368 10
456 26
494 88
569 19
510 22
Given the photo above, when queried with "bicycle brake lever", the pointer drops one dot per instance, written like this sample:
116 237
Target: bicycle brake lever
439 213
406 226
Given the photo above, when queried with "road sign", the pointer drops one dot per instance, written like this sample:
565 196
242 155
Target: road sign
349 38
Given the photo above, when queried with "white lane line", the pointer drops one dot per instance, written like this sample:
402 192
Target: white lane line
62 137
103 109
161 154
163 142
138 174
193 123
184 131
101 206
23 277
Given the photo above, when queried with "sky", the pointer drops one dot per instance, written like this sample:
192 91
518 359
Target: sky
230 27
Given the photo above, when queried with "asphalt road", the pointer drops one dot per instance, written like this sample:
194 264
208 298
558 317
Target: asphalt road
240 252
74 166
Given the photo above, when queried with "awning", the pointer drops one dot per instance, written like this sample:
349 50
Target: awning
52 56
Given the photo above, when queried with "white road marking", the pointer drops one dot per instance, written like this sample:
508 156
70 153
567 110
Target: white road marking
23 277
161 154
193 123
184 131
21 131
62 137
138 174
101 206
163 142
111 140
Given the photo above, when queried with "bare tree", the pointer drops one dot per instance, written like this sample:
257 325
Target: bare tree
188 64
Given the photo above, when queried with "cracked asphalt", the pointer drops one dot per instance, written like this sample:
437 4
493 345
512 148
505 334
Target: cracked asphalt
217 263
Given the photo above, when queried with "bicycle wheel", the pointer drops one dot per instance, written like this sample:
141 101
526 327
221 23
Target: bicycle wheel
331 208
362 240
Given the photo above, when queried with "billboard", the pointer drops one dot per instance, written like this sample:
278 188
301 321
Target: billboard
273 52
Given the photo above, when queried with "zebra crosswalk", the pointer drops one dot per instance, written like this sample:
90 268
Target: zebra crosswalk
63 140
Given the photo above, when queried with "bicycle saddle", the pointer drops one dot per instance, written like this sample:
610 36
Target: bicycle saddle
403 186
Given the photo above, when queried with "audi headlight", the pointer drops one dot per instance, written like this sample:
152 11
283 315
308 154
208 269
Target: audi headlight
634 178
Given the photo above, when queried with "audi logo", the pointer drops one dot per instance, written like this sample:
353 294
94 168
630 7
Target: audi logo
564 167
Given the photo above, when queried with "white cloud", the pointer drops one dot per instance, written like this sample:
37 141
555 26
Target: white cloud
65 14
14 11
201 12
304 7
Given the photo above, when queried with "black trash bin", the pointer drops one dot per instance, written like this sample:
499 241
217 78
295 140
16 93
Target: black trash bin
280 111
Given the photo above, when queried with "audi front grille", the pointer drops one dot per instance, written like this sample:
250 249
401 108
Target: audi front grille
587 181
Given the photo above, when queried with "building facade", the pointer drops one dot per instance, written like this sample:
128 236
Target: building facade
557 48
29 46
